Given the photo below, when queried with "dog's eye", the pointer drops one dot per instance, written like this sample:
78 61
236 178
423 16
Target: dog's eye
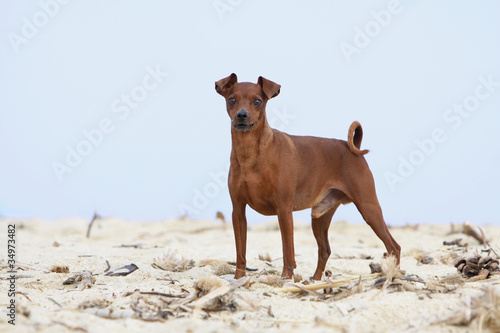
257 102
231 101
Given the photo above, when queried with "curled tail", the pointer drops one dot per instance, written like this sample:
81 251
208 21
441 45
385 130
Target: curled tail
354 138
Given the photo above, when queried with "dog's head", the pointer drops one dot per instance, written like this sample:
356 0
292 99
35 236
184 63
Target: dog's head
246 101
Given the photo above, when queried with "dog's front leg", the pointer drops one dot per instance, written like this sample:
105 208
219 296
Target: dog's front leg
240 237
285 219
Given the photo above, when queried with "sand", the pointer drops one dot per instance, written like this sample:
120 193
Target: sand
177 301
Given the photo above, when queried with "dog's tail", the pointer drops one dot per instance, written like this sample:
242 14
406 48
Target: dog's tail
354 139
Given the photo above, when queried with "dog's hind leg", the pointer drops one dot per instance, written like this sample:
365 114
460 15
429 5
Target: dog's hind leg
321 218
320 227
372 214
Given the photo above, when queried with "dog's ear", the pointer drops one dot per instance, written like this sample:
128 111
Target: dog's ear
222 85
270 88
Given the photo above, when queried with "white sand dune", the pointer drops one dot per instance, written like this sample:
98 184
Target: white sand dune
175 302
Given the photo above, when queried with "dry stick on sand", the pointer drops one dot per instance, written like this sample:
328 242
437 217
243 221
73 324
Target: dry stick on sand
322 285
108 267
457 242
96 217
469 230
153 293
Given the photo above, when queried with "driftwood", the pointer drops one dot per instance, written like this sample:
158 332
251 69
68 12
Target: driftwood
96 217
322 285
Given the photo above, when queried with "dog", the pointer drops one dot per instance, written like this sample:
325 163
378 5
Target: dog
276 173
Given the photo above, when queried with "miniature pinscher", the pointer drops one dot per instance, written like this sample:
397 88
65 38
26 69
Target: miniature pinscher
276 174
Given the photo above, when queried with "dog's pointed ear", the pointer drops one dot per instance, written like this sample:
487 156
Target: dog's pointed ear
222 85
270 88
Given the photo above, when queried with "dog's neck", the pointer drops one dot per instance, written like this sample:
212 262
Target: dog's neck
247 147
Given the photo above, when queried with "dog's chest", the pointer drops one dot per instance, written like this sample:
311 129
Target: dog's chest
258 184
259 191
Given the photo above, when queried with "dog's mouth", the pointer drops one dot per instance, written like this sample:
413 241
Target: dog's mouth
243 127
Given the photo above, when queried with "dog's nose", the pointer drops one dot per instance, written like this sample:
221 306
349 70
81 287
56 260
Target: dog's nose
242 115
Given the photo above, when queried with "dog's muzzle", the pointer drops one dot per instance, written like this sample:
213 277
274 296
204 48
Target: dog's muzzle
241 119
243 127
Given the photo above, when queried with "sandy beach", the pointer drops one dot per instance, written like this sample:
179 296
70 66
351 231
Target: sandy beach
181 279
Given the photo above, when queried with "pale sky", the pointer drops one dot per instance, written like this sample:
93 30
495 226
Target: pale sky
110 106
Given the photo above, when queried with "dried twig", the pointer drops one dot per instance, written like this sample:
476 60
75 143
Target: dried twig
108 267
469 230
322 285
21 293
248 269
307 290
55 302
457 242
96 217
136 246
155 293
160 294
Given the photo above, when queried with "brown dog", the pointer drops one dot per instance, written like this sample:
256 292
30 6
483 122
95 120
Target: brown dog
276 174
